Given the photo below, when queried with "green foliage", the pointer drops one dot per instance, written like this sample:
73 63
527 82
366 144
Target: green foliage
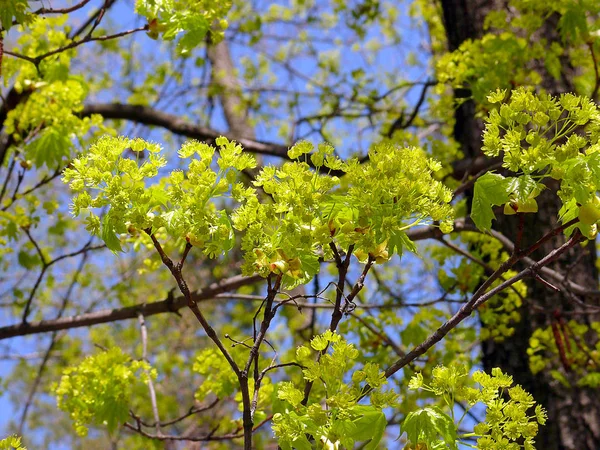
46 126
120 182
514 52
43 35
17 10
48 123
538 137
193 19
293 218
183 203
507 425
508 54
218 378
565 350
341 420
11 442
572 23
98 390
287 234
427 425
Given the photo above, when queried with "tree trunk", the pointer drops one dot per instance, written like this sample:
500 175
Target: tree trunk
573 413
229 91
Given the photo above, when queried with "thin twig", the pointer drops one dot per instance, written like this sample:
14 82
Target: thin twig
45 266
480 297
53 340
144 333
36 60
192 411
206 438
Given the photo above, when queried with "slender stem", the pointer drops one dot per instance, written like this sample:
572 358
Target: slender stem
55 337
337 314
206 438
153 402
10 171
242 375
248 406
36 60
342 266
595 62
520 230
192 411
192 304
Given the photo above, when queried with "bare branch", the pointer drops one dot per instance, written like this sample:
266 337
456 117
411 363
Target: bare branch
209 437
36 60
477 300
53 340
151 117
130 312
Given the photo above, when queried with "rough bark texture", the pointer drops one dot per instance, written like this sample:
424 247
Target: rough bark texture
574 413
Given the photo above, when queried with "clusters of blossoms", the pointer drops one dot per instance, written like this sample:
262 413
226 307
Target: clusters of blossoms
289 219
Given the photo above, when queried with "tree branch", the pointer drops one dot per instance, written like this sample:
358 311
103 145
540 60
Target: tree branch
151 117
130 312
477 300
36 60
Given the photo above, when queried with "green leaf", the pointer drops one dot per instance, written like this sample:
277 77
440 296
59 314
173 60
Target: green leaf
573 22
561 378
289 393
159 196
27 260
302 443
9 9
371 425
399 241
490 189
428 425
108 235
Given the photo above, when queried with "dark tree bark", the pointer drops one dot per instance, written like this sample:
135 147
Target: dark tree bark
573 413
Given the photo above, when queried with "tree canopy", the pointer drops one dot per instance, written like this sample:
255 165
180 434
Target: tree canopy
304 224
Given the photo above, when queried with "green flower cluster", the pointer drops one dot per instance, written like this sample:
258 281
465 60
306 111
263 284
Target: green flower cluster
304 214
289 234
565 344
534 132
396 187
508 424
540 138
194 18
218 378
341 421
98 391
11 443
183 203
